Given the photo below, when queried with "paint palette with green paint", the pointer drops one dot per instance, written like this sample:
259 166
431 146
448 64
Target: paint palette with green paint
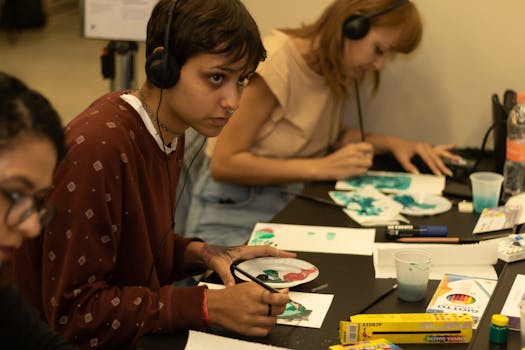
279 272
422 204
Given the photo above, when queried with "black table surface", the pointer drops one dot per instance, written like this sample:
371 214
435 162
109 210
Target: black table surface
351 279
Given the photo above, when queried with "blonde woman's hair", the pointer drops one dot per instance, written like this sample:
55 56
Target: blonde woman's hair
327 35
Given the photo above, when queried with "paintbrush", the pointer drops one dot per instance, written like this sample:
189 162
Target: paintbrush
313 198
298 306
454 240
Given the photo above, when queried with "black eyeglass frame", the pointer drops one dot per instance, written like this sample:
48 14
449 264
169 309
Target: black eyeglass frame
28 205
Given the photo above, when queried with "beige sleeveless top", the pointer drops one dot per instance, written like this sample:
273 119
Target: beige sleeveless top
307 120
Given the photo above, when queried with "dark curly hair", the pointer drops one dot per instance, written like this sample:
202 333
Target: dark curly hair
210 26
25 112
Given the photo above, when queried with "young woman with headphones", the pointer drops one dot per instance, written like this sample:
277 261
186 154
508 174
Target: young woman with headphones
109 257
288 128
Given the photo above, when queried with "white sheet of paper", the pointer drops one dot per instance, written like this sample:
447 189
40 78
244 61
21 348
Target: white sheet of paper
511 308
199 340
318 303
117 19
396 182
473 260
322 239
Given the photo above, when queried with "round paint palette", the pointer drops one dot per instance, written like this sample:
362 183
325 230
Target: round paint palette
279 272
421 204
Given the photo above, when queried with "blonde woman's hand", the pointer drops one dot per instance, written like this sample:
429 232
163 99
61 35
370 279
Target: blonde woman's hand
404 150
350 160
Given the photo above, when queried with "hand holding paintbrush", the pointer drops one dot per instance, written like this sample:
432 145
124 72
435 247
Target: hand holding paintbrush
295 304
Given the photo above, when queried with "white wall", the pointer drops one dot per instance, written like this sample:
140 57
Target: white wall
440 93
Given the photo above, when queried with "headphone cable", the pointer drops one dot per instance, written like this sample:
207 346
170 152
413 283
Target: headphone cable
172 208
481 154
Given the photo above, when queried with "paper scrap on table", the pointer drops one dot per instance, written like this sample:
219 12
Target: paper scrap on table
511 308
394 182
316 305
321 239
200 340
518 199
369 207
473 260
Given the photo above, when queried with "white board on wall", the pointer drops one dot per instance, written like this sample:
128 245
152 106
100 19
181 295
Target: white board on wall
116 19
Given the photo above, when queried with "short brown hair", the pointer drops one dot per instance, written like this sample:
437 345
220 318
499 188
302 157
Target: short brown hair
326 57
206 26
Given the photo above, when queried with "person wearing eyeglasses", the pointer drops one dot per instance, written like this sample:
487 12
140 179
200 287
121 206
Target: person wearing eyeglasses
31 142
109 258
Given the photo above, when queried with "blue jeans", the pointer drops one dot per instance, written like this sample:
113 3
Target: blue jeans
225 213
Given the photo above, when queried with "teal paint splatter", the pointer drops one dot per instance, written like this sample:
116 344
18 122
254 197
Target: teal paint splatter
381 182
292 314
330 236
409 202
366 204
273 276
263 238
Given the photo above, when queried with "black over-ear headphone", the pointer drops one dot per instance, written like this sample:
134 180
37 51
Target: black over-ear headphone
356 27
162 69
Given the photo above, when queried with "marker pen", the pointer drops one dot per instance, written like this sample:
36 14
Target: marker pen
396 231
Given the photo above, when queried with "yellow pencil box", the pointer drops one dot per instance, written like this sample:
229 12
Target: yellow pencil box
415 328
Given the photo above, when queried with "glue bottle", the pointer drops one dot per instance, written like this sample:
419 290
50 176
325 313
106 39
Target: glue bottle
499 329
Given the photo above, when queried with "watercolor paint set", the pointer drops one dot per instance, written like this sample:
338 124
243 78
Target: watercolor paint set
413 328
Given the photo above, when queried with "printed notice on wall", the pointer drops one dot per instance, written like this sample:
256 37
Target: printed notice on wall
116 19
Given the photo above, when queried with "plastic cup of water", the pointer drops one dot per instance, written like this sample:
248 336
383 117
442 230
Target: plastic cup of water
412 268
486 188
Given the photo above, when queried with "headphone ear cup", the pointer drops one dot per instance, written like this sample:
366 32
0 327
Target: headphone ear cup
163 72
356 27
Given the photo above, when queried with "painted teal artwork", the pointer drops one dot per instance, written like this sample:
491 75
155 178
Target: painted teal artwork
264 237
397 182
365 203
291 313
409 202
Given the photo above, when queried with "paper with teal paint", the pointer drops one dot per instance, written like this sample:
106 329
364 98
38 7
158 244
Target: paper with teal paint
316 307
394 182
369 207
321 239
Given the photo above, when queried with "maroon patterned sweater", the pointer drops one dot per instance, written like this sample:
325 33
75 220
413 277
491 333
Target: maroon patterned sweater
89 271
